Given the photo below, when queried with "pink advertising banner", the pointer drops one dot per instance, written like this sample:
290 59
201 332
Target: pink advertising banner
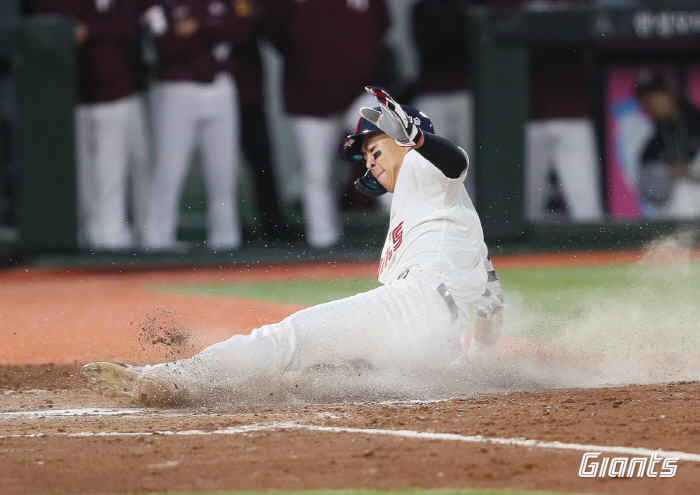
628 130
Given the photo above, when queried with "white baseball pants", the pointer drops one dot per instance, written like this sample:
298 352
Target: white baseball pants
102 143
569 146
140 164
399 326
187 114
318 144
684 203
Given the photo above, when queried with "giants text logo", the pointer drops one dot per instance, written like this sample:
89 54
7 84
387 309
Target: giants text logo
627 467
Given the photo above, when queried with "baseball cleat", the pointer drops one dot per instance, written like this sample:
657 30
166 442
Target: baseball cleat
111 379
125 380
152 391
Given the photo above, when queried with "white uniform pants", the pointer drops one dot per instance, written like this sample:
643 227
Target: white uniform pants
567 145
452 115
187 114
318 144
102 131
407 324
684 203
140 164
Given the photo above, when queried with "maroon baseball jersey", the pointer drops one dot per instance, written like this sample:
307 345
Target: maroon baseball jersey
441 38
107 59
199 57
331 50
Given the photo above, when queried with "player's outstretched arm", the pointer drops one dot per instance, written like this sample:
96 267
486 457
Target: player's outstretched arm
447 157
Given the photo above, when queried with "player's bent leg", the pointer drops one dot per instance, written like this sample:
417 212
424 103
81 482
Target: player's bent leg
405 325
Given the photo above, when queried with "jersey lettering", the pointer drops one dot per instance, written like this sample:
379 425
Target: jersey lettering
385 260
396 239
397 236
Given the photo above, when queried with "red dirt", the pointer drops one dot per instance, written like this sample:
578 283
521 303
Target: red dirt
67 316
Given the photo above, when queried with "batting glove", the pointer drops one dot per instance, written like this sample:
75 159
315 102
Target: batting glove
392 119
491 301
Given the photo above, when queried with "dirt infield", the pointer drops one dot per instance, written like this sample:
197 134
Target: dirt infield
56 437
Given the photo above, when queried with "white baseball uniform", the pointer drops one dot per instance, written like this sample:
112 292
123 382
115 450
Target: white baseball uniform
433 266
102 129
187 114
317 147
195 104
569 146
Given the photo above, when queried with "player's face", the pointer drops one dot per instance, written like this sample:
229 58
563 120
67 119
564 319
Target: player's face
384 158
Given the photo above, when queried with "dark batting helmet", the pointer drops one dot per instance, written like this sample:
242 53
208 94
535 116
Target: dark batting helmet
350 148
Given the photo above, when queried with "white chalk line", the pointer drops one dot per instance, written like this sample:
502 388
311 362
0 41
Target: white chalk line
51 413
423 435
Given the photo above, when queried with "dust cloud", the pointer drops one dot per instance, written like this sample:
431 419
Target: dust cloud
646 332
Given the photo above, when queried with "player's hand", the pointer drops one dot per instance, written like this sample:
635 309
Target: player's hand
186 27
491 302
392 119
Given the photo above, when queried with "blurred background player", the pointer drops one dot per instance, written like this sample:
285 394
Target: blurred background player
255 139
561 150
108 107
331 51
195 102
562 170
443 87
669 175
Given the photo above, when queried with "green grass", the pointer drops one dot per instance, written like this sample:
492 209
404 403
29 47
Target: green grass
640 307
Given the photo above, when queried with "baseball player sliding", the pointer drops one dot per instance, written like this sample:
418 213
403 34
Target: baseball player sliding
434 264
